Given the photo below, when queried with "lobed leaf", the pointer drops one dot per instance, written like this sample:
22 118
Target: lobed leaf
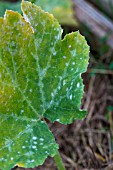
40 78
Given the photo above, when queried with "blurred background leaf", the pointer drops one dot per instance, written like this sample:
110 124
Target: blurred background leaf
8 5
62 10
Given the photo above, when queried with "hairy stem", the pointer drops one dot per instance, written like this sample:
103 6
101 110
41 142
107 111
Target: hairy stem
59 161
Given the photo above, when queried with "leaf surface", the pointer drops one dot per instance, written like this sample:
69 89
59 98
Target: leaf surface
40 77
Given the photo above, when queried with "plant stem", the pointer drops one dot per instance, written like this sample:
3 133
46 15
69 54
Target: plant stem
59 161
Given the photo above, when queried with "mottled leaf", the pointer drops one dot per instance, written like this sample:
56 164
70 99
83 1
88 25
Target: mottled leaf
40 76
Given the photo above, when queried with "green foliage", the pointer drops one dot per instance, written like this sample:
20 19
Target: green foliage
40 78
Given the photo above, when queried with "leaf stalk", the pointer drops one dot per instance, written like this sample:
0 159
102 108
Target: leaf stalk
59 162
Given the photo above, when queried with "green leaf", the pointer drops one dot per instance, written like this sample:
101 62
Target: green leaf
26 144
40 77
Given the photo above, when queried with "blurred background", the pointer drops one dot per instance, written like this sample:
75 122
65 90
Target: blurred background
86 144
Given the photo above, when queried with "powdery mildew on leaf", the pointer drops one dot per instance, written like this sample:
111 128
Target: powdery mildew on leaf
40 76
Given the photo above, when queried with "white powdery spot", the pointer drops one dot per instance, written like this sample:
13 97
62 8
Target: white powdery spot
56 37
32 160
73 63
28 125
57 120
64 82
71 83
27 20
64 57
41 139
73 53
36 25
47 152
22 111
1 159
10 96
71 87
59 87
67 89
71 97
34 138
23 147
12 114
67 64
30 90
54 53
52 94
12 158
69 46
60 77
78 85
34 147
35 142
51 101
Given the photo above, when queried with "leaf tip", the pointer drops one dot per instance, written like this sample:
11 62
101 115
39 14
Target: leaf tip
20 165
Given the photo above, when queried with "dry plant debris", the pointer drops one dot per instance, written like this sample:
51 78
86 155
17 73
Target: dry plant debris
88 144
